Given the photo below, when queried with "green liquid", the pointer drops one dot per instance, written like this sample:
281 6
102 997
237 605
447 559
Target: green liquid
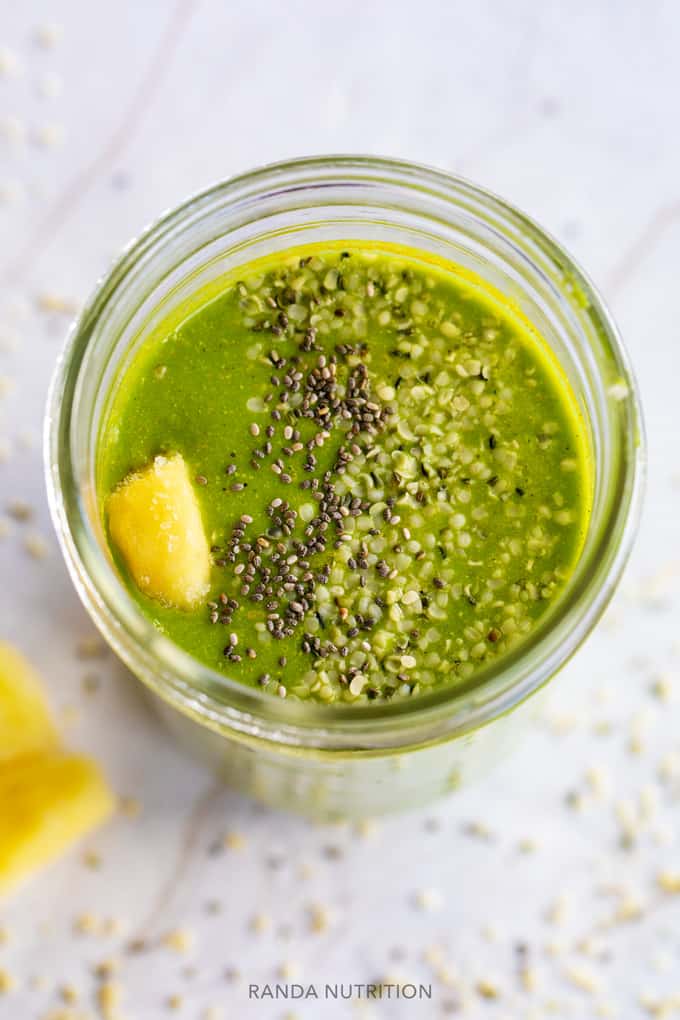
471 498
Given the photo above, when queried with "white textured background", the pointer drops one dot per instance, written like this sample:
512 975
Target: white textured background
108 114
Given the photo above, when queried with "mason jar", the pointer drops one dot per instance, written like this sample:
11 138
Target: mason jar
343 760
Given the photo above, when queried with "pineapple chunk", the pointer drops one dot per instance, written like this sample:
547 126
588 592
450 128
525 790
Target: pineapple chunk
25 721
155 521
47 801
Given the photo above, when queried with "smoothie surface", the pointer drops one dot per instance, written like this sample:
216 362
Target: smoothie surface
391 471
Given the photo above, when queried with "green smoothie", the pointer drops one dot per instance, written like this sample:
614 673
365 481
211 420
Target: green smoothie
387 463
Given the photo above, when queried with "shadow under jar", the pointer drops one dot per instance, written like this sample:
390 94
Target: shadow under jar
344 760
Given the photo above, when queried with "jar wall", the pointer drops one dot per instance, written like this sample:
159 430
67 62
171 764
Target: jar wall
337 785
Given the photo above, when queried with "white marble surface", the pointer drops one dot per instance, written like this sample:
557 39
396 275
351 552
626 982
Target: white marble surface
108 114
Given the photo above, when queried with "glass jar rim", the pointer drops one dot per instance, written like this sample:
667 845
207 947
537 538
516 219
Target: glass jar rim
181 679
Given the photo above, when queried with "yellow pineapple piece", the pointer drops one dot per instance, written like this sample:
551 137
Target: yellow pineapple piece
155 521
47 801
25 721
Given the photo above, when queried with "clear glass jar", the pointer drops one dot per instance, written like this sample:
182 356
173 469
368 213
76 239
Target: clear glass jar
344 760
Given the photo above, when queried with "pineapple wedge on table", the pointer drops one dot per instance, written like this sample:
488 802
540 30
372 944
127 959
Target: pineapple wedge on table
48 797
48 800
155 522
25 720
